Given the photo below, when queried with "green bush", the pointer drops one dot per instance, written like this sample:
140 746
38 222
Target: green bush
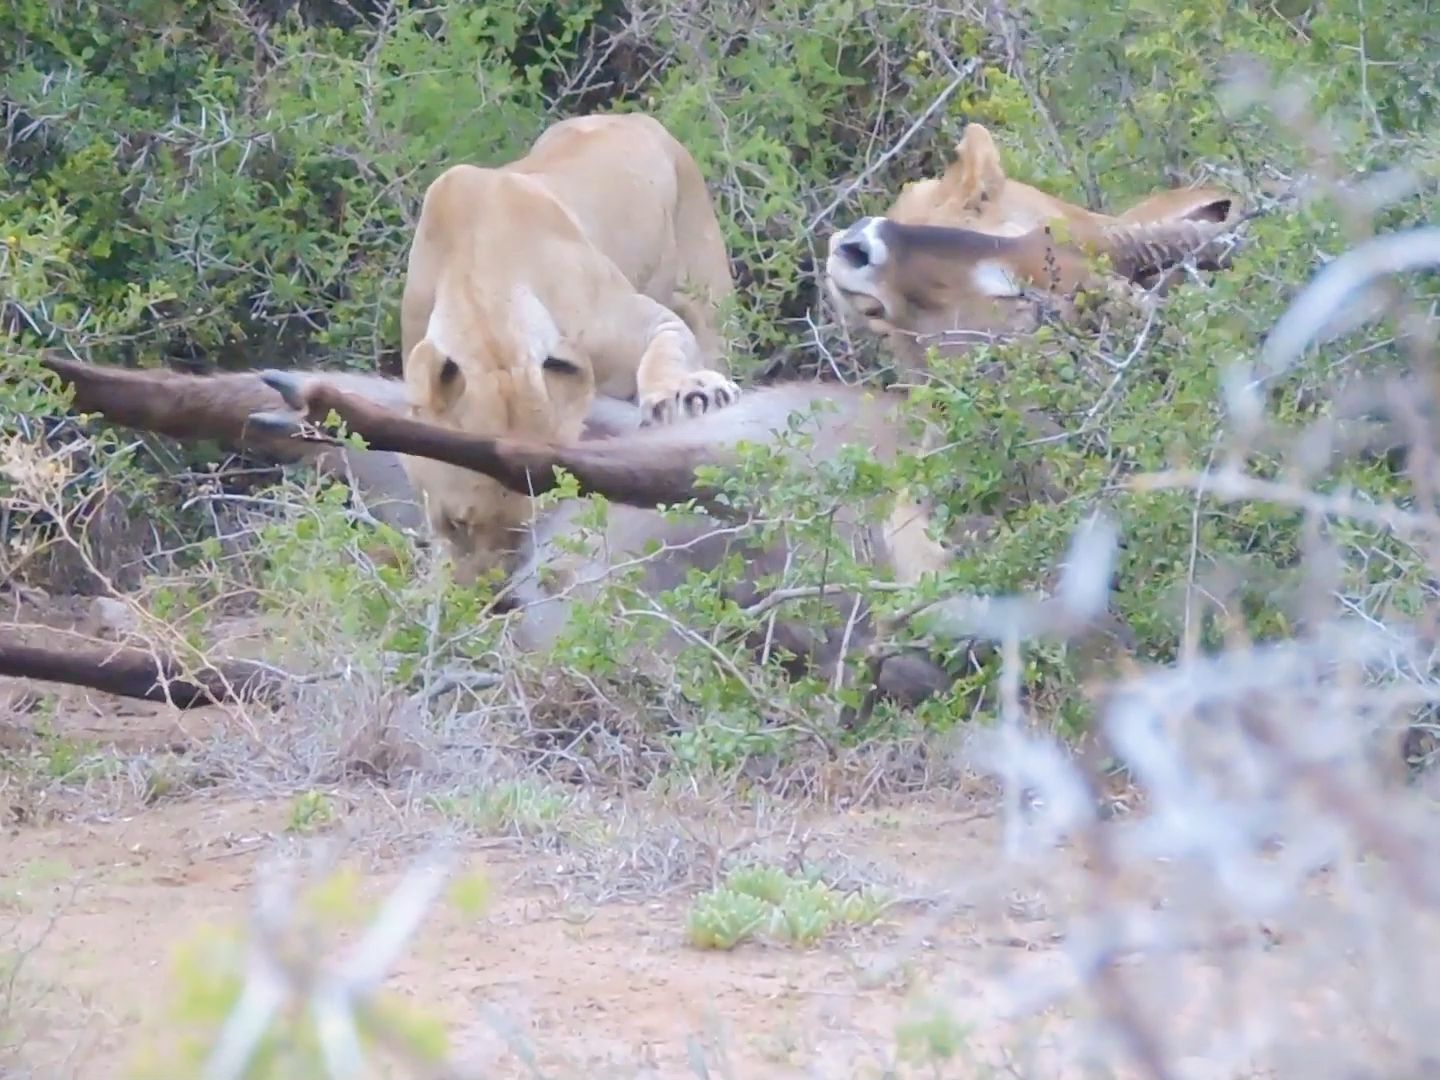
226 184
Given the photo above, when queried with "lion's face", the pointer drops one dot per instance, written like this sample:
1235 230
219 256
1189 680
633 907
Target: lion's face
974 193
510 377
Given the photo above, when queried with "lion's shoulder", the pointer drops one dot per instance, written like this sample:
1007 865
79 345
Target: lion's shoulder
621 131
508 207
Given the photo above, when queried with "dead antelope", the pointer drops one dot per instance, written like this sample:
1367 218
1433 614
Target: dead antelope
643 468
913 281
638 468
974 200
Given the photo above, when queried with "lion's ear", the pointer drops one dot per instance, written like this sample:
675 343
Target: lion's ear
976 174
448 382
433 377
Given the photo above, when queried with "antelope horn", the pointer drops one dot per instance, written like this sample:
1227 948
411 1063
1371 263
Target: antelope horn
1140 249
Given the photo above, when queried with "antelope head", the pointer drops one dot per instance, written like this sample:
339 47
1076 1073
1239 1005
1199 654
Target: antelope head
926 279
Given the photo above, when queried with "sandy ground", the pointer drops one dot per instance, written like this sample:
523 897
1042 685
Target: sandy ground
608 986
96 895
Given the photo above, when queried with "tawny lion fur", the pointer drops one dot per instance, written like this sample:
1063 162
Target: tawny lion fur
592 265
974 192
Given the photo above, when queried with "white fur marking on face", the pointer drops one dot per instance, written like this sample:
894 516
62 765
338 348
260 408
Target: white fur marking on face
874 246
865 233
533 321
994 279
840 270
438 331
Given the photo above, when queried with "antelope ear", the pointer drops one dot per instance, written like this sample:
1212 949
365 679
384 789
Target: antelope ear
976 175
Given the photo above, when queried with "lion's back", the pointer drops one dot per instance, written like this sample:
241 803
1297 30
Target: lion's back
631 215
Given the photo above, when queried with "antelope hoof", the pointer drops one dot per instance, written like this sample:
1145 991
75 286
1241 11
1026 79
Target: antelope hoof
286 426
697 393
290 386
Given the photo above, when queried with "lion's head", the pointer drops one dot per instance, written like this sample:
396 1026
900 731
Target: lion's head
970 194
975 192
497 370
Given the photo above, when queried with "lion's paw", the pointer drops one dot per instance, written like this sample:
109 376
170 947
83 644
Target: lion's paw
697 393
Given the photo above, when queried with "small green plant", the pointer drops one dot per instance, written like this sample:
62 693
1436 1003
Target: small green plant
523 806
931 1038
68 760
768 883
310 812
723 918
764 900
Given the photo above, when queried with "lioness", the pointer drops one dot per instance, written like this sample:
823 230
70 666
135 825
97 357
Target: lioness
975 193
533 286
640 468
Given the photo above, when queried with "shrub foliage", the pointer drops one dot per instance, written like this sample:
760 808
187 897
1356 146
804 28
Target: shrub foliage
234 184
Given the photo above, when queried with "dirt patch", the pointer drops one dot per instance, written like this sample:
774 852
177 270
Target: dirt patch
109 887
583 987
976 963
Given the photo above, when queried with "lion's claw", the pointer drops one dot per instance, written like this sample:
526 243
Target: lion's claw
701 392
